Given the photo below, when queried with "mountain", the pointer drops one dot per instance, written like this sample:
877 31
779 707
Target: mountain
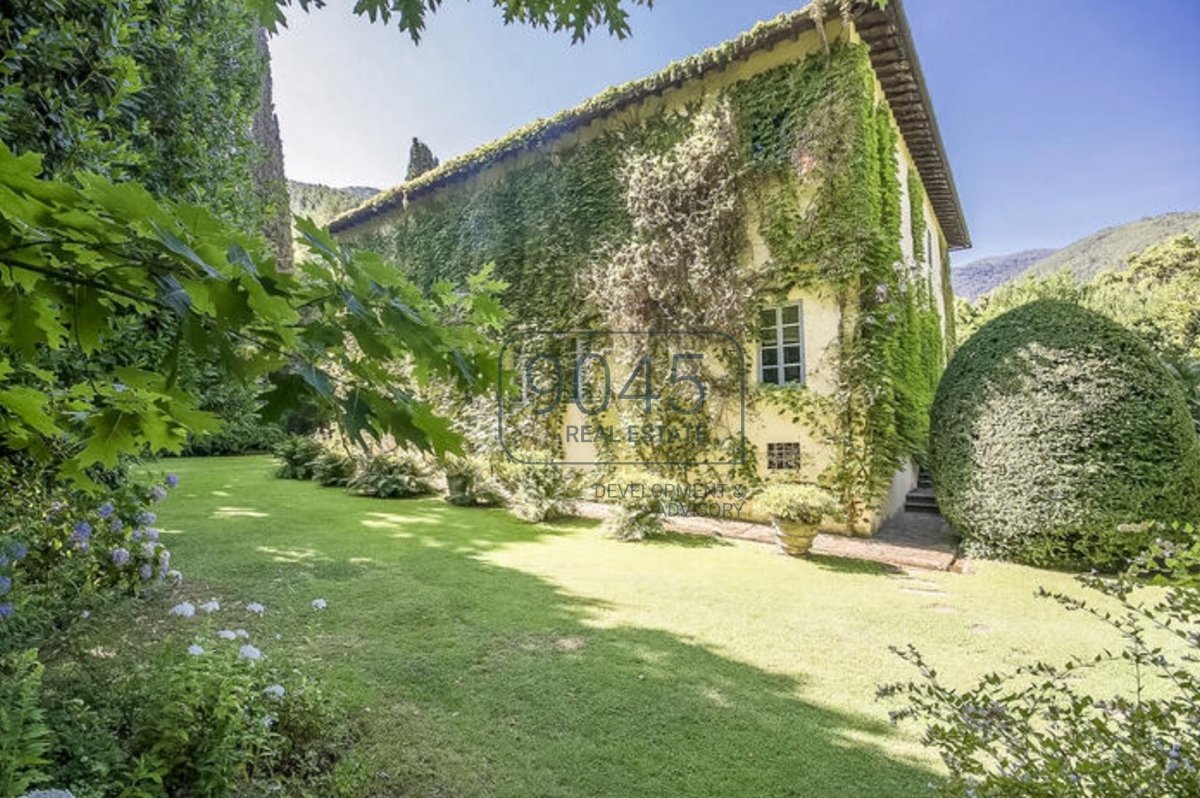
1109 248
976 278
322 203
1106 249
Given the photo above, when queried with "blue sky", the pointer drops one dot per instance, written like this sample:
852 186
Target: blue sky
1060 116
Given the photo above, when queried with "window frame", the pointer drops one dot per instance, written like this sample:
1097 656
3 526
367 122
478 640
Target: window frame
779 346
784 460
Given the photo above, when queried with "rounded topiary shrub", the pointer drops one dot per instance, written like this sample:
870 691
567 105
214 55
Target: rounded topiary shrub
1054 433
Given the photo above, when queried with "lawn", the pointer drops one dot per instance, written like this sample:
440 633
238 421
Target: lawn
486 656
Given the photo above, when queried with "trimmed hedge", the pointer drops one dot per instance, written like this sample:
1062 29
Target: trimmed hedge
1053 429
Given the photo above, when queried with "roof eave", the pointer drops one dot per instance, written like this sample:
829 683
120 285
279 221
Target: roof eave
893 56
898 69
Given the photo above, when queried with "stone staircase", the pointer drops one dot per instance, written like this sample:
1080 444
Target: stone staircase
920 499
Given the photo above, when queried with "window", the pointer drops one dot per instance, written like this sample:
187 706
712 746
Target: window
783 456
781 345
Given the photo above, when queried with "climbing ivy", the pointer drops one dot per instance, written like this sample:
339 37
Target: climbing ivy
827 153
949 331
916 206
812 161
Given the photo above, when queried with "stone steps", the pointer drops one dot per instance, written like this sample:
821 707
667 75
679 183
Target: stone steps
921 498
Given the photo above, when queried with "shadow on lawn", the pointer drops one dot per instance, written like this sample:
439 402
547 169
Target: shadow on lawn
848 565
491 681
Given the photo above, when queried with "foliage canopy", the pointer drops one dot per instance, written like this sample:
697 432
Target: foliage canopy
349 330
580 17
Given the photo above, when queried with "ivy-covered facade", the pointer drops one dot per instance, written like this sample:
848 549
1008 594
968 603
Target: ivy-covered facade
772 188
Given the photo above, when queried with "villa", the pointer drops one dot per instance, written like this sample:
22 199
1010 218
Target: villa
788 188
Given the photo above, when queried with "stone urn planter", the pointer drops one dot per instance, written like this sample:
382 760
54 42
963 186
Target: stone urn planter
458 486
793 538
796 512
460 480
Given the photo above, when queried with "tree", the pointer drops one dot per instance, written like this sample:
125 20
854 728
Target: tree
163 93
348 328
420 159
269 177
580 17
1158 295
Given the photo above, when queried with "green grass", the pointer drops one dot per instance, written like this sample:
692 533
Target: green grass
486 656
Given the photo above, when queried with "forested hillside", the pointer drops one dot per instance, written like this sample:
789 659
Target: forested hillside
980 276
322 203
1109 248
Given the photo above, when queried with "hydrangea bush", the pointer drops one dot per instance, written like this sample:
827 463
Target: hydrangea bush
204 711
62 549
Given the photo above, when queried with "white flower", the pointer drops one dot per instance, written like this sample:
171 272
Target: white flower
255 608
85 614
242 633
195 650
184 610
319 604
175 577
227 634
250 652
49 794
210 606
275 691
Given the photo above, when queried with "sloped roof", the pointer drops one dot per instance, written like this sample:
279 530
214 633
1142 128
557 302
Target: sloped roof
893 57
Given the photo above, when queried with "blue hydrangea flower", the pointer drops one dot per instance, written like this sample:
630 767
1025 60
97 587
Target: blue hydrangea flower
3 560
82 534
158 493
116 525
19 550
120 557
172 480
107 510
6 610
5 585
146 572
147 518
152 535
164 563
138 535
